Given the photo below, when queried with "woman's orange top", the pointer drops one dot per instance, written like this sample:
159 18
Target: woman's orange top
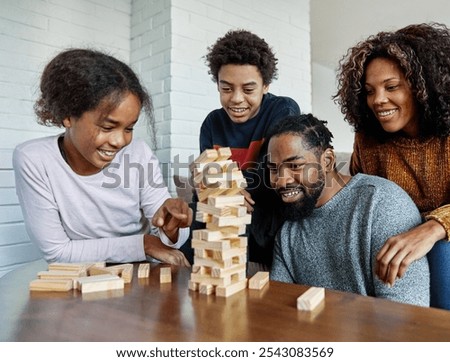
420 167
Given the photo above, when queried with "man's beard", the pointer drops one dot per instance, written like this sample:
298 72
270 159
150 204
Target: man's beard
303 208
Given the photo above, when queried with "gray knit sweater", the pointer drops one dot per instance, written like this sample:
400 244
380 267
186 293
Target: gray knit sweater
336 246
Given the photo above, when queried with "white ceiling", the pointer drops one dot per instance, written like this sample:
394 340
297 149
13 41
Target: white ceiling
337 25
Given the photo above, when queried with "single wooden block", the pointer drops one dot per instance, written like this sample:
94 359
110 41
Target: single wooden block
101 270
165 275
61 274
51 285
206 289
144 270
311 299
125 271
220 201
231 220
193 286
76 268
99 283
202 217
226 291
259 280
208 155
224 153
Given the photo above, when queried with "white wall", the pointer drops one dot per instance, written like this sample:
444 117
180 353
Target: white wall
324 86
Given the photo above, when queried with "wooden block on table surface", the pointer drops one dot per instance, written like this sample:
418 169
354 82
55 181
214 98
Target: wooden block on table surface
193 286
207 279
165 275
226 291
206 289
79 268
102 270
259 280
125 271
61 274
51 285
144 270
311 299
99 283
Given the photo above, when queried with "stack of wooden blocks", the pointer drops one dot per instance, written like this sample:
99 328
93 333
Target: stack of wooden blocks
220 253
86 277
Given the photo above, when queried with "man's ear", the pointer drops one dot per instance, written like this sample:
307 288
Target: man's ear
265 88
328 159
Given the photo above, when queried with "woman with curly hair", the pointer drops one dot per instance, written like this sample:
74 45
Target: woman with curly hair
243 65
394 89
93 192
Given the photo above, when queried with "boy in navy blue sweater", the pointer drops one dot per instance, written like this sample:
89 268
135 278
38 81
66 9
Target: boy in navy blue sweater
243 66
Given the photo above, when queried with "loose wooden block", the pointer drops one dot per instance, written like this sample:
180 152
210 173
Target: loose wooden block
143 270
51 285
76 268
125 271
311 299
60 274
259 280
165 275
99 283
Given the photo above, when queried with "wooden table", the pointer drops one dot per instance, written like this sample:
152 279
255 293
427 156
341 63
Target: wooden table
149 311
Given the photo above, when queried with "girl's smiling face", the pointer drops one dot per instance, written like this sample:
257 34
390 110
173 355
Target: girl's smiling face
92 141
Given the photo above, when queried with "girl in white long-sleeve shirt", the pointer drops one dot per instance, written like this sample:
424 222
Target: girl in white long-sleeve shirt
92 193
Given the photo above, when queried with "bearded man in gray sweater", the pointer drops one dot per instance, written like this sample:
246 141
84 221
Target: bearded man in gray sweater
336 224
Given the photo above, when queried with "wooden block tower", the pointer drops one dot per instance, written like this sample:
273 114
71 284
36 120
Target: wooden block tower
220 253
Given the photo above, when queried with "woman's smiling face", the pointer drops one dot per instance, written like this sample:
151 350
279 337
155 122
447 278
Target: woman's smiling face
390 97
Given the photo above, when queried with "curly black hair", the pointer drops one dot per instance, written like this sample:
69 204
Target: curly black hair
242 47
422 51
80 80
